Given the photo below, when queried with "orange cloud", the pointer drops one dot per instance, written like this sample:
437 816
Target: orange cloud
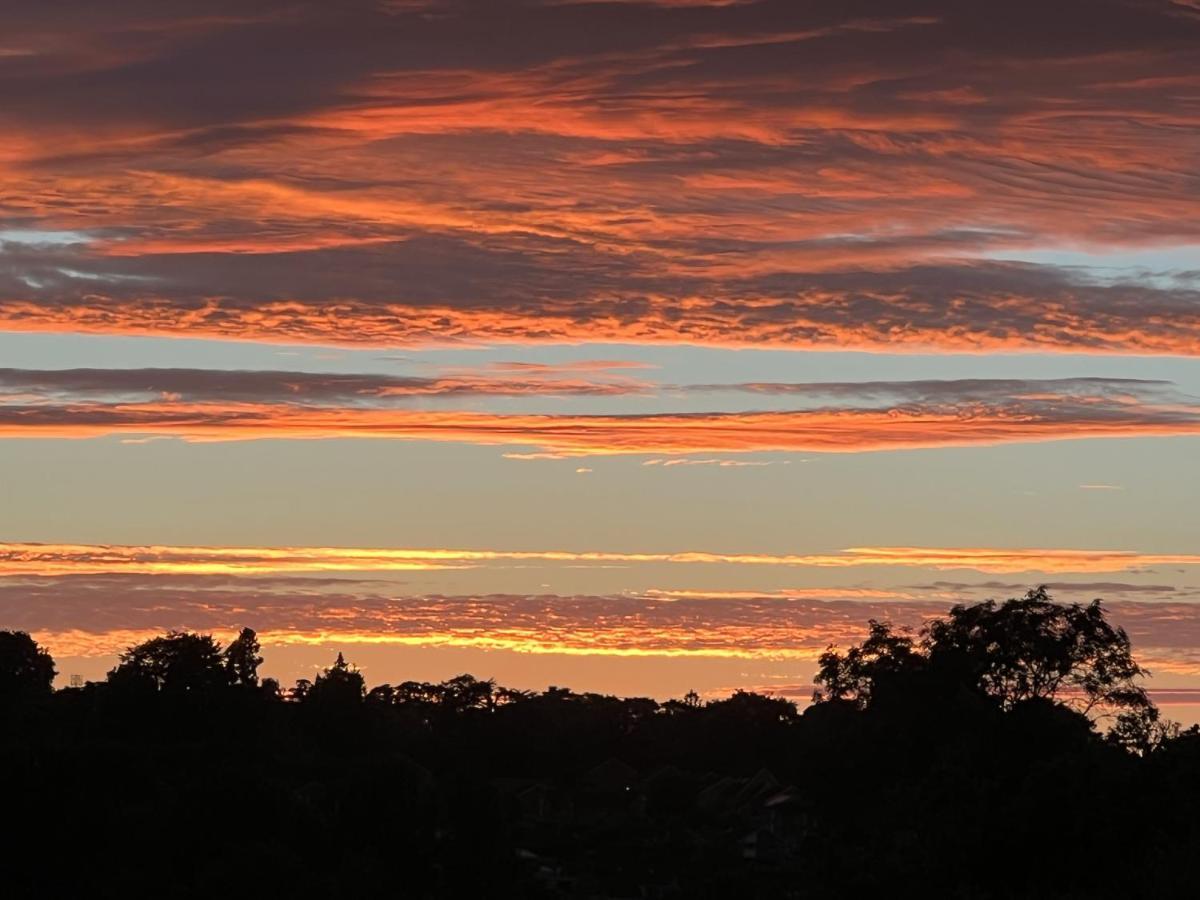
1054 318
94 616
829 593
677 171
865 417
257 386
65 559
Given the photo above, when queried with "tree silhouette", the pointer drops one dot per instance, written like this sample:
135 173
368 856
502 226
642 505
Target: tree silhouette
465 692
1031 648
508 696
26 670
178 662
1025 649
1143 730
242 659
339 685
750 709
300 691
951 758
883 662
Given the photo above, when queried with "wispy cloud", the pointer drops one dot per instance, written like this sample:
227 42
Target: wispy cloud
1093 588
256 386
720 463
839 417
65 559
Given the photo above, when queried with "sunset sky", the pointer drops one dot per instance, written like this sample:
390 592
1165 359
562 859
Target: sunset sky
636 346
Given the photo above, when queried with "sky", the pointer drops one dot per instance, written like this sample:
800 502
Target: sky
635 346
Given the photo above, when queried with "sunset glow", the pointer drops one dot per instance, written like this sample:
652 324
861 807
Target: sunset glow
689 306
65 559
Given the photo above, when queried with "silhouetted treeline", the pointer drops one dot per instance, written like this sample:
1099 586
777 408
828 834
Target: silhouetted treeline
1006 751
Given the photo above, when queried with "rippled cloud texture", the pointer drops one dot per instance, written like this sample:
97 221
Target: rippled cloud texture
855 174
100 615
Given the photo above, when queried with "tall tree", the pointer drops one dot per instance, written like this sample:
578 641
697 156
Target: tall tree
339 685
26 670
242 658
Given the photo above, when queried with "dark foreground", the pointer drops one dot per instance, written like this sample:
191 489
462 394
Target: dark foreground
955 764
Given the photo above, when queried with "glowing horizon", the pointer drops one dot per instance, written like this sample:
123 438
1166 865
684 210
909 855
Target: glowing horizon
698 303
60 559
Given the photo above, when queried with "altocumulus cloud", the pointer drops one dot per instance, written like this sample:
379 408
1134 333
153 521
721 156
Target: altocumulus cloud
793 174
100 615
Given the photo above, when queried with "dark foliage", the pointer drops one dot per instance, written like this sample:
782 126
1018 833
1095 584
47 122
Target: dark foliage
242 659
1007 751
26 670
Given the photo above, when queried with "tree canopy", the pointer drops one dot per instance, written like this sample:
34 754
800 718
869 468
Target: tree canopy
25 668
242 658
339 685
177 662
1024 649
